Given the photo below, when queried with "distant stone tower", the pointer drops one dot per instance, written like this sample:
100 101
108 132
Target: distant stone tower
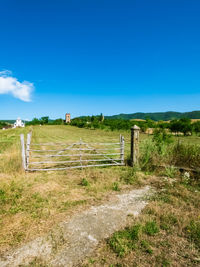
67 117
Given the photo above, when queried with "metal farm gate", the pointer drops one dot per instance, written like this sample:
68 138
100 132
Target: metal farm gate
63 156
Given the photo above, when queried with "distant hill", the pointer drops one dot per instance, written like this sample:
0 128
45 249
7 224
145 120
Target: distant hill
157 116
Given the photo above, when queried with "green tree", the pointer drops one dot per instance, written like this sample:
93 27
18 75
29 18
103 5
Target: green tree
196 127
186 126
44 120
35 121
175 126
57 122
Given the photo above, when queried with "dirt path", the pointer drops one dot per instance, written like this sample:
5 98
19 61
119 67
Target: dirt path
75 239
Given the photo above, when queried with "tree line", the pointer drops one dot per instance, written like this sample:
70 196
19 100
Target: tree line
45 121
184 125
3 124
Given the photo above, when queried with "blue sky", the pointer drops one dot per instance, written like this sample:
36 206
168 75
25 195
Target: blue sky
86 57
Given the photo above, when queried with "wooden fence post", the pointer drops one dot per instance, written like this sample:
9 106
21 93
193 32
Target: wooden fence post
23 151
28 148
135 130
122 149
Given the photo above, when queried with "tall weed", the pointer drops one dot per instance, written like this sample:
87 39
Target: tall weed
186 155
161 151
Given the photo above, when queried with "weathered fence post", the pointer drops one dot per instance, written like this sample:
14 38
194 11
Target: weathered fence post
23 151
122 149
135 130
80 143
28 148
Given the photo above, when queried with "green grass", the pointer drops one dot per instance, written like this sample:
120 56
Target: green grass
124 241
188 140
10 137
132 238
151 228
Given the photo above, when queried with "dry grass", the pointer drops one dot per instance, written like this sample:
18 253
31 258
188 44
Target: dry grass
32 203
166 234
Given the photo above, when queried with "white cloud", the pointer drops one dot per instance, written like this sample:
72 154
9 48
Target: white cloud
10 85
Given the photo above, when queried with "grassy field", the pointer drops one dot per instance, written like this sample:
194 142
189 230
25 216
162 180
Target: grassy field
32 203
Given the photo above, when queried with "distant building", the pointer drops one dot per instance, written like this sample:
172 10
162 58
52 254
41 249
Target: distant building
67 117
19 123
